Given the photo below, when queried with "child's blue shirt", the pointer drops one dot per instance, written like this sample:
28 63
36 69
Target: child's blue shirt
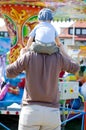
44 32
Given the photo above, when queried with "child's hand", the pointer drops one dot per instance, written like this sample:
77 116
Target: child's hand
23 50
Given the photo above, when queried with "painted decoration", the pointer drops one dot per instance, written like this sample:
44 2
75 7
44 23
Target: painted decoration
21 16
20 19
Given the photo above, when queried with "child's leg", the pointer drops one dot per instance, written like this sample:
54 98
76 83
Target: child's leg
42 48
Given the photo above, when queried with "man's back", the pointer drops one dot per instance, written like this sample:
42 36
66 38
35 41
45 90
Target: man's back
42 73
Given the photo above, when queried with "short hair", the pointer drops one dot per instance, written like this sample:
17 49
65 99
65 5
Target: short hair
45 14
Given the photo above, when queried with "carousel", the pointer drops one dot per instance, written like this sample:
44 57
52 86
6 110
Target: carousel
20 17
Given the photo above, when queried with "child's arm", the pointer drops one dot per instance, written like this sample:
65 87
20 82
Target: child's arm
61 47
58 43
26 48
29 42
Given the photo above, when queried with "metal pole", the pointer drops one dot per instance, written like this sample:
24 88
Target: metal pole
84 115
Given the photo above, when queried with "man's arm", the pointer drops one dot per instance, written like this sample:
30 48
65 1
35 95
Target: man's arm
15 68
69 65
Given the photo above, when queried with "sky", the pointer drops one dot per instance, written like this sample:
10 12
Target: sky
58 25
2 23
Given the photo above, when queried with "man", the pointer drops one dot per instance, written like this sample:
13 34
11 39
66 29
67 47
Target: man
40 102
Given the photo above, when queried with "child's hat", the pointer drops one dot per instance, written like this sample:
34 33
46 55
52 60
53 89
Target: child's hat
45 14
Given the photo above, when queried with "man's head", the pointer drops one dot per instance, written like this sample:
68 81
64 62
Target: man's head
45 14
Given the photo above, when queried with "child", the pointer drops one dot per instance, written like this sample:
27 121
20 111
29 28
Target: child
46 36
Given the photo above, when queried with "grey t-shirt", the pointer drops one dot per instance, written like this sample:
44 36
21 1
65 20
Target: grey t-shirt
42 73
